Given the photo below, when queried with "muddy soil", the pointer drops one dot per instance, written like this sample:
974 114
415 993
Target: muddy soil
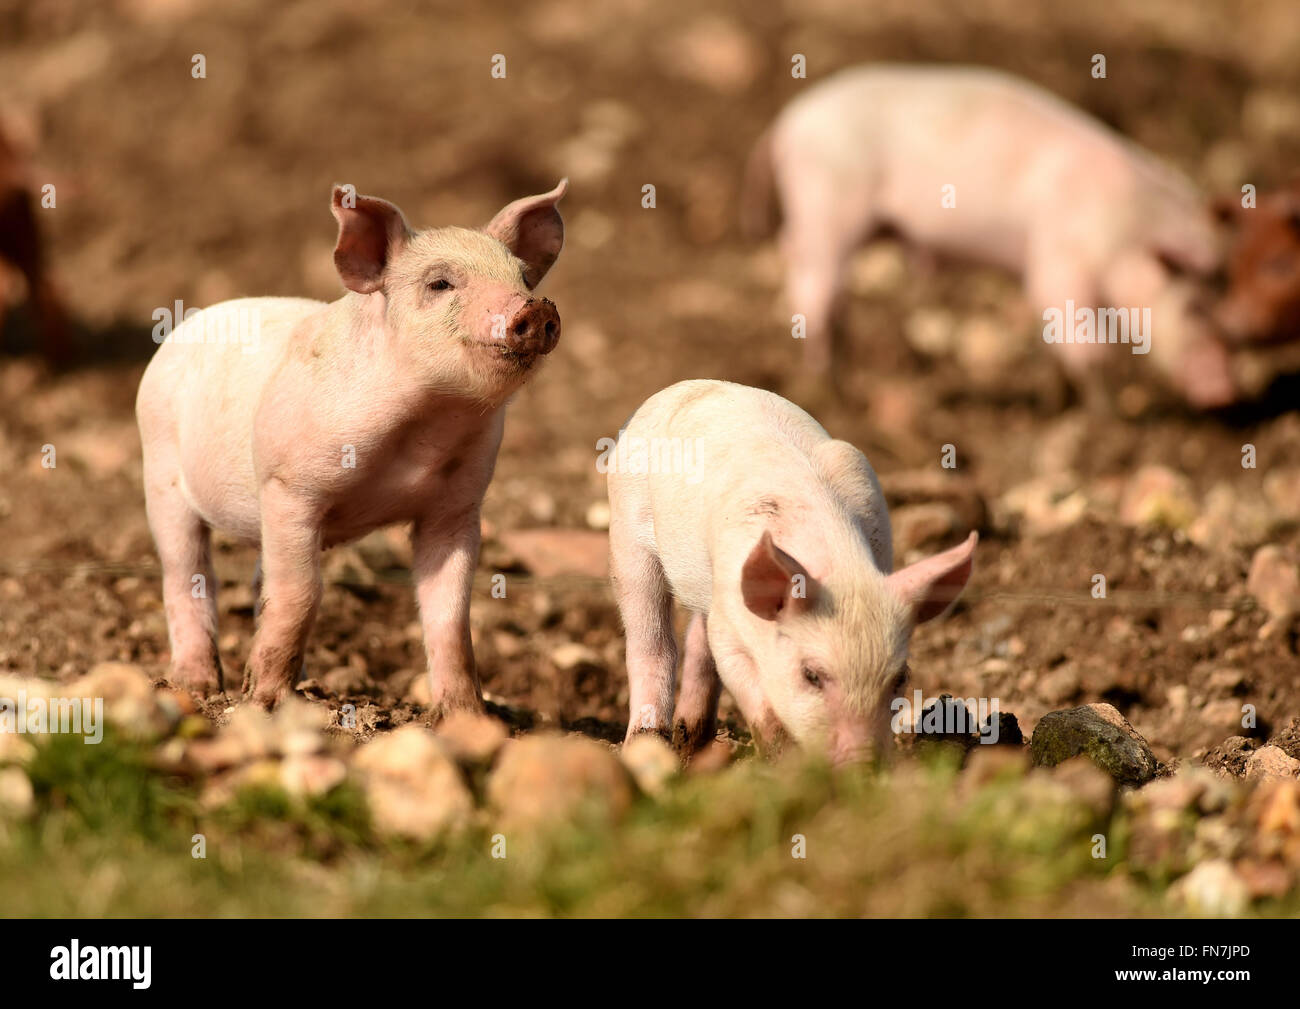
175 188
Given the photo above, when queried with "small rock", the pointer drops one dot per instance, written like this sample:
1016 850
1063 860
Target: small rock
345 566
1274 581
412 785
1213 888
652 762
1045 504
1271 762
1265 878
1158 496
550 778
130 701
572 656
1282 491
311 774
878 268
420 690
261 774
1230 756
987 763
385 550
346 680
1008 731
1101 733
921 486
1060 685
15 749
916 525
541 506
931 331
1226 681
1287 739
1229 520
714 51
237 598
946 719
598 516
985 349
1224 714
548 553
712 758
1276 806
299 727
1221 619
17 800
248 736
472 739
1087 782
1192 788
507 644
1061 444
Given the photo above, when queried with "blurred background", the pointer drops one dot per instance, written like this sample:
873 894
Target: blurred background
174 188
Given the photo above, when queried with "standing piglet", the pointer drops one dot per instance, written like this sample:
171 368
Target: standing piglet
297 425
975 163
776 536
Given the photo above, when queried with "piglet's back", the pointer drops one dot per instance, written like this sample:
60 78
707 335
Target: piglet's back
711 451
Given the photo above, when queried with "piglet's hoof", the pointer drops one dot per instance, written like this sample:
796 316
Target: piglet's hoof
663 734
690 739
197 679
447 704
263 691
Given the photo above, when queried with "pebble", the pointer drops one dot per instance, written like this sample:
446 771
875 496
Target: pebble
1101 733
547 778
413 786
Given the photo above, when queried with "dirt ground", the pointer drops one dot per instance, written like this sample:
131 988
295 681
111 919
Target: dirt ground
174 188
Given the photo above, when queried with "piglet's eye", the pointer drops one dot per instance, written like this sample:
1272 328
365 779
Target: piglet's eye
813 677
441 284
900 681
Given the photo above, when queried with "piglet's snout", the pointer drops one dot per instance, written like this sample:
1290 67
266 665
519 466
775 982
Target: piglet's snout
852 742
535 328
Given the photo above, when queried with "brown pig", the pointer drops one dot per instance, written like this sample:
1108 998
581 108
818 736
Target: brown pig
776 537
296 425
21 250
1263 297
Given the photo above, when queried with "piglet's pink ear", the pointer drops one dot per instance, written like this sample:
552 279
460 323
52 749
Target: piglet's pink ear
532 229
371 231
772 582
931 586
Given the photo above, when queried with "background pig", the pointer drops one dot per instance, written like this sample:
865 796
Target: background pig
777 538
22 252
1263 297
333 419
1039 187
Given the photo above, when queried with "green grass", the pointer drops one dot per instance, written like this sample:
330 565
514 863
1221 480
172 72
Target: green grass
113 837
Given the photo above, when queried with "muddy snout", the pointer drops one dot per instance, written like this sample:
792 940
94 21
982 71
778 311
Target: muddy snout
535 328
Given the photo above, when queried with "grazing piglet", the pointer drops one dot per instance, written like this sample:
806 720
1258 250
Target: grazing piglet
297 425
975 163
1263 297
776 536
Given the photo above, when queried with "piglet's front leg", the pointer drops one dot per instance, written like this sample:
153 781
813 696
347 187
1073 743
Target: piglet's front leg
446 554
291 593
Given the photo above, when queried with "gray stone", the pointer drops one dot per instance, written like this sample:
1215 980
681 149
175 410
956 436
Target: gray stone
1099 732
